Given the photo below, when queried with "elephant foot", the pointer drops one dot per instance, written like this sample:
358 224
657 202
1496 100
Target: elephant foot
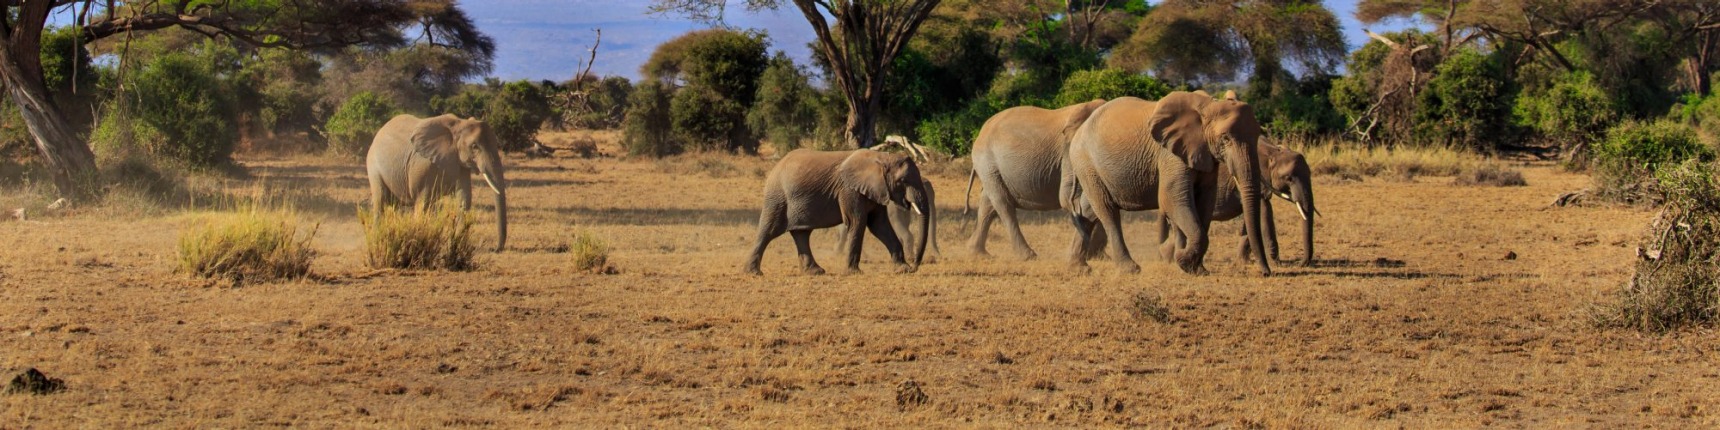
812 270
1028 254
1307 262
979 253
1128 267
751 269
902 268
854 270
1080 268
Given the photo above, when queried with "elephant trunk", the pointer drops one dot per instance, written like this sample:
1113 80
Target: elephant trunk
924 211
493 176
1303 194
1247 177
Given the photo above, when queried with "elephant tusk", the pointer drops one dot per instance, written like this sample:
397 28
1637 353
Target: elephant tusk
916 208
492 183
1303 212
1285 196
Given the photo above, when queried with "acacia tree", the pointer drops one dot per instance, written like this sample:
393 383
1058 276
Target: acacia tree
1205 41
860 39
299 24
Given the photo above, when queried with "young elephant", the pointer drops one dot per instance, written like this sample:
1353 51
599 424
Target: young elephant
815 189
1287 176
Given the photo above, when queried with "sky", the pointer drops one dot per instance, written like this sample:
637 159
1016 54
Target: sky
548 39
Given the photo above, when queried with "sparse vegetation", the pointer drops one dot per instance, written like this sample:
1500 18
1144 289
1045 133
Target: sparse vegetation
1149 306
252 244
1354 161
354 125
1634 154
589 253
438 237
1491 175
1677 278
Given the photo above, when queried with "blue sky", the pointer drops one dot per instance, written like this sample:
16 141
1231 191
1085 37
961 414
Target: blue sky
547 39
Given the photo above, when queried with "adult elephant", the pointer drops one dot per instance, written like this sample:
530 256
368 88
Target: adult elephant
1286 176
1135 155
819 189
1018 158
414 161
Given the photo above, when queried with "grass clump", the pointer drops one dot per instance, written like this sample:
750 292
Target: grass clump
1677 279
1344 160
1148 306
435 237
590 253
1491 175
252 243
1634 154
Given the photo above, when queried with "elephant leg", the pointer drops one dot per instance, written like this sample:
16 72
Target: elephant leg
1085 236
803 246
1111 219
1178 199
1006 214
772 222
1268 229
881 229
1169 239
854 237
983 229
1095 245
463 191
378 197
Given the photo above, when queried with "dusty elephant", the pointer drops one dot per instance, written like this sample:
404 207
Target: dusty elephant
1287 176
1019 158
415 161
901 222
809 190
1136 155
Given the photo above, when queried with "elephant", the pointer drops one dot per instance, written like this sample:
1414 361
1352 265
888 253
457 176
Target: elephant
901 222
1135 155
415 161
810 189
1019 160
1287 176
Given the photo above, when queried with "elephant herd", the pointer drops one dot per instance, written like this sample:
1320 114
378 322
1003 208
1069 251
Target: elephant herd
1194 158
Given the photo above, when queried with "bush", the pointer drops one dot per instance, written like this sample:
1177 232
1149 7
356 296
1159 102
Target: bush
602 104
252 244
1572 112
515 111
189 105
354 125
646 130
783 108
590 254
1677 279
1491 175
705 120
436 237
1467 103
280 89
1086 85
1703 113
1633 153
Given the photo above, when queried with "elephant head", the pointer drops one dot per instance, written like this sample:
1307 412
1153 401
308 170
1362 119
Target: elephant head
478 150
1288 177
892 179
1202 131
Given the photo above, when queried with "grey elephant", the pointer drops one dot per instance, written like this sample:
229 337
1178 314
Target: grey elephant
901 222
415 161
1135 155
1287 176
1018 157
810 189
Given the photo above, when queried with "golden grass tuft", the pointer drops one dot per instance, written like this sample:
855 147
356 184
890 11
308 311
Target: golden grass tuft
1148 306
590 253
1491 175
436 237
252 243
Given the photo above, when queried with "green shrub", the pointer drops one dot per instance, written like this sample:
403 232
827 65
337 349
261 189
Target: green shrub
1633 153
1703 113
251 244
646 130
515 111
189 105
280 89
602 105
1086 85
438 236
1574 111
354 125
783 109
706 120
953 132
1467 103
1677 278
590 254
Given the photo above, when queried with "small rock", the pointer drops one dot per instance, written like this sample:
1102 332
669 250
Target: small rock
1510 255
32 381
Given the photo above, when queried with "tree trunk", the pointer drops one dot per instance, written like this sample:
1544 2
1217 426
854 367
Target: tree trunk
862 127
68 158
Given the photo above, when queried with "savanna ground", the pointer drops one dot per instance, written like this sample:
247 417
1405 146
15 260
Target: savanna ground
1413 316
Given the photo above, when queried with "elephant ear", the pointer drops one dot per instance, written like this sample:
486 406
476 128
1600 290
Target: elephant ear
431 139
1079 116
1176 125
867 174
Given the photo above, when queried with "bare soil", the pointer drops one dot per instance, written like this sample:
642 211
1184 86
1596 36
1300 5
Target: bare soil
1413 316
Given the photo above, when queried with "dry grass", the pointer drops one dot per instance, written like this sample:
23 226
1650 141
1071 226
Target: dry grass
252 243
1491 175
436 237
1411 318
589 253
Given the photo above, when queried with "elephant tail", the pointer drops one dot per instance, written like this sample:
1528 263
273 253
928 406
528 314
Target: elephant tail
967 197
